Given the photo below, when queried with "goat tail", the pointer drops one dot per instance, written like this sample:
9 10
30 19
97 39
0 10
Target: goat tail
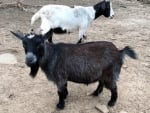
35 17
128 51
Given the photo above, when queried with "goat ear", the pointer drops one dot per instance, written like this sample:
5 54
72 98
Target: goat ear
19 35
34 70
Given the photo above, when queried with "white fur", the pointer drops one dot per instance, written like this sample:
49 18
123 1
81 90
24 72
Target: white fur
30 36
111 10
53 16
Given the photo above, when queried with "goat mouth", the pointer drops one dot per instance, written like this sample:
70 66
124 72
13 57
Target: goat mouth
30 64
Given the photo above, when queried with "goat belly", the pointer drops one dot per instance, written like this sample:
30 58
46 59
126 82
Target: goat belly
85 79
84 73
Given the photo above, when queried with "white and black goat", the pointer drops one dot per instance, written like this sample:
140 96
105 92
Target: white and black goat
81 63
64 19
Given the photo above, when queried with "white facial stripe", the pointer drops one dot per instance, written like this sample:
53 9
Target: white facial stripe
30 36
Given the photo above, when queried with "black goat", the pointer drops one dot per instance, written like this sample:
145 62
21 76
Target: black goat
80 63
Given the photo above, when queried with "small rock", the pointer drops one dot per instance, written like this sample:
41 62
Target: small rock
7 58
11 96
89 94
21 65
102 108
146 64
125 66
112 38
2 89
123 111
123 6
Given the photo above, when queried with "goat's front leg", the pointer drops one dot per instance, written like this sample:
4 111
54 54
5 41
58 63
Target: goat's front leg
50 35
99 89
62 93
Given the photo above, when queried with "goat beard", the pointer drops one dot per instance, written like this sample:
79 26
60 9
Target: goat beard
34 70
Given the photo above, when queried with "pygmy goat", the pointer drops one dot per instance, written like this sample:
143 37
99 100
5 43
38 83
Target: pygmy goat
64 19
81 63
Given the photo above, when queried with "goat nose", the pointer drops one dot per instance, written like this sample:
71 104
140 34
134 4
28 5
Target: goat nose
30 58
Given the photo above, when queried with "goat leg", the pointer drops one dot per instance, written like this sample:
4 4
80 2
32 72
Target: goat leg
80 41
61 103
62 96
99 89
114 96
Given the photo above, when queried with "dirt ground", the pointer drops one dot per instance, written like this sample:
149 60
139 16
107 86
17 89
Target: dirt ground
19 93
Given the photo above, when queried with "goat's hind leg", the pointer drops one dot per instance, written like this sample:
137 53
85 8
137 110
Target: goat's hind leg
114 94
82 35
111 84
99 89
81 39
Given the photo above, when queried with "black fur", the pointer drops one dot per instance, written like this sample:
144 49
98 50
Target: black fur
80 41
80 63
127 50
59 30
84 63
34 70
102 8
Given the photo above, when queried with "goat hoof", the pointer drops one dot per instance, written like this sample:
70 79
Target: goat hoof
80 41
85 37
111 104
50 41
60 106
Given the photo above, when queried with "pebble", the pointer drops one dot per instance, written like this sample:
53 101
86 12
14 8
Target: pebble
125 66
102 108
123 111
7 58
146 64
